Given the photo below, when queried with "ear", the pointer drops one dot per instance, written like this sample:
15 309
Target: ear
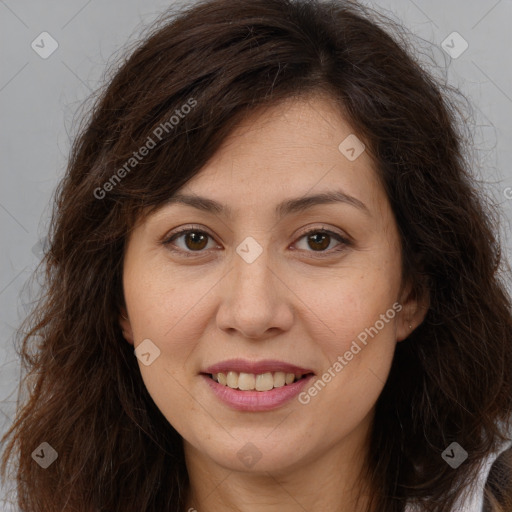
413 312
126 327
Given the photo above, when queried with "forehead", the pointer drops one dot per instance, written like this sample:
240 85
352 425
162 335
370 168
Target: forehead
302 129
295 148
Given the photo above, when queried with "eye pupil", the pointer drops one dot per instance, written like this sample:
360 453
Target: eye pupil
194 236
324 236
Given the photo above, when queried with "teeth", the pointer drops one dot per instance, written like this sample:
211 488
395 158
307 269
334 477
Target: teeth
264 382
279 379
246 381
250 381
232 380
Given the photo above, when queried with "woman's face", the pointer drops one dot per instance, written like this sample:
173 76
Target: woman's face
251 295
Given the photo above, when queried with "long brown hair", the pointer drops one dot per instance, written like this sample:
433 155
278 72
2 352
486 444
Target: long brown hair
449 382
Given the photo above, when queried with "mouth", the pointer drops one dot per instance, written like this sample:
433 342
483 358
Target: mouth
266 381
256 386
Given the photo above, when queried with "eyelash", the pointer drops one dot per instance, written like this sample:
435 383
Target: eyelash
318 254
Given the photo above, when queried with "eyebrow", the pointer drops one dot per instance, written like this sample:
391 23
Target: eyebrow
284 208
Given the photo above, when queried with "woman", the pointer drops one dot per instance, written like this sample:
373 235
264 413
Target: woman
272 284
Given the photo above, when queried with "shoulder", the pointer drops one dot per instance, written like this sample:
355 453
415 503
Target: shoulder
472 498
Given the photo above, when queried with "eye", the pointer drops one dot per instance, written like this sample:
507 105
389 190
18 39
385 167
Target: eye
195 240
320 239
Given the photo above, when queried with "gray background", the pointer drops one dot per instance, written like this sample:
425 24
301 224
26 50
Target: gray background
40 100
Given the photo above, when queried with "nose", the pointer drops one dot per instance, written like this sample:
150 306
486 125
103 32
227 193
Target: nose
255 300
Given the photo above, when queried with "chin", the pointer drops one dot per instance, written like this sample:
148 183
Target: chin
256 457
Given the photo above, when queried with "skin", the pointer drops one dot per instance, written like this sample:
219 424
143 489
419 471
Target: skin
290 304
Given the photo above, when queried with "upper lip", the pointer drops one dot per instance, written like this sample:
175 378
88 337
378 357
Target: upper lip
256 367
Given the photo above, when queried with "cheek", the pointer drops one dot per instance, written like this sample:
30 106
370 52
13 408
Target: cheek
353 304
169 312
166 306
358 339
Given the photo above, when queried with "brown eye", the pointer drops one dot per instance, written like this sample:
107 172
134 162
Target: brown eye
193 240
319 241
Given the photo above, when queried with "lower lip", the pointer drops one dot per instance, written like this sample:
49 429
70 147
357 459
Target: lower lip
254 401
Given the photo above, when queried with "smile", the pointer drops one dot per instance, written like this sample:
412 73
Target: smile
259 382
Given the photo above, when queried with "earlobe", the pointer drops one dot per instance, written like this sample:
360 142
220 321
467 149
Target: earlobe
126 327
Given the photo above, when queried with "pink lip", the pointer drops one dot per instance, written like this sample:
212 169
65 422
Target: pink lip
268 365
254 401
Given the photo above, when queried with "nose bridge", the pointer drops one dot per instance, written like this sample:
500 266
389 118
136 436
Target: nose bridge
252 273
250 301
